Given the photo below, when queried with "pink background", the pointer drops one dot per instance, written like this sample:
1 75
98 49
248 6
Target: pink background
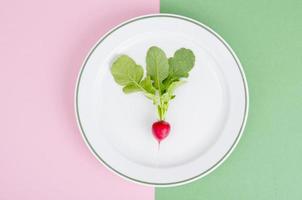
42 46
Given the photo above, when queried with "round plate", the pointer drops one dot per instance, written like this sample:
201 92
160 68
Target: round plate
207 116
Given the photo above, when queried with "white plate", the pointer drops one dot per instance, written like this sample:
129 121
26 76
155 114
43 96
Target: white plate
207 116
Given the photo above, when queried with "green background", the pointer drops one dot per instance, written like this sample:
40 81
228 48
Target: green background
266 36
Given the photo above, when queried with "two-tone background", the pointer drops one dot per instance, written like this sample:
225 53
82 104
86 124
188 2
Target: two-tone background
42 46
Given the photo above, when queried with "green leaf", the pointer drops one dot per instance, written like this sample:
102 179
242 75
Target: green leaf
173 86
157 65
169 94
147 85
155 98
125 71
167 82
131 88
163 75
181 63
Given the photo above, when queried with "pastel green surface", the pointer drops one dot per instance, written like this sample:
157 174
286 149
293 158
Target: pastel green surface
266 36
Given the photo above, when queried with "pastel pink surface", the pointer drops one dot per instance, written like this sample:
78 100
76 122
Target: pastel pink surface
42 46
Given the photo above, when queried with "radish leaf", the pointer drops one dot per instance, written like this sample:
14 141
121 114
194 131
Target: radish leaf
181 63
131 88
157 65
174 85
163 75
169 94
147 85
125 71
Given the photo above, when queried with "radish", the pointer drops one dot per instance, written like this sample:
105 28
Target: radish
163 75
160 130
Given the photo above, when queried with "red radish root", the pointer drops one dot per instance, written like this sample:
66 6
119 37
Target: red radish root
160 130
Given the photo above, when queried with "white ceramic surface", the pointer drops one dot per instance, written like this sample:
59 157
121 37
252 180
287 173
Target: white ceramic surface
207 116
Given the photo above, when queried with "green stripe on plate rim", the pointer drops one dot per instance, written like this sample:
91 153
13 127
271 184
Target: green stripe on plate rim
245 110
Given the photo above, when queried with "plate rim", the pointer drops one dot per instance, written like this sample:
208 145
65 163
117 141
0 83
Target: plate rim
191 179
